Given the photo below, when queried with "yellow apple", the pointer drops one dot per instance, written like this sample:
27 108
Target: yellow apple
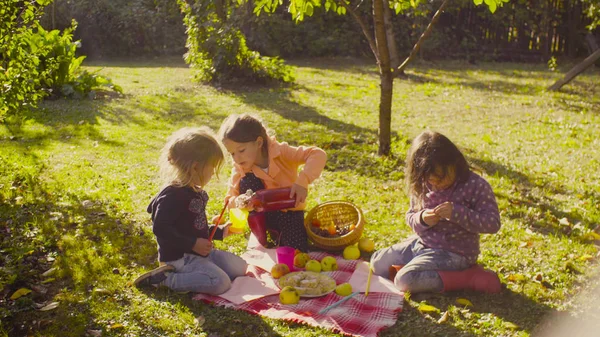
313 265
279 270
366 245
329 263
351 252
343 289
300 260
289 295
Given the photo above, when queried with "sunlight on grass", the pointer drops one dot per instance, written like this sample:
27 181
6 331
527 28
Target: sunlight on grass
76 177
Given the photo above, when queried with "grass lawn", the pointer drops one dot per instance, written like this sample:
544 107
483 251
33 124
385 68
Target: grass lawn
76 177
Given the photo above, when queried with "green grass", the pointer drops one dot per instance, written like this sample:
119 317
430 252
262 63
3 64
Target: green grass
76 177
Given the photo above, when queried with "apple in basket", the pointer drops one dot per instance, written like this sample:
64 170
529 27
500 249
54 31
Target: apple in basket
279 270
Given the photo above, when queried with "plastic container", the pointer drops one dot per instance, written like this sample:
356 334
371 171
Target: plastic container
285 255
273 200
239 220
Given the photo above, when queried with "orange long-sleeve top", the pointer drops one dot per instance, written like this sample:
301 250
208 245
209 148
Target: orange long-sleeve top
284 161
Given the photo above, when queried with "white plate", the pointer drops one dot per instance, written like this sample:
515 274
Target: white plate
323 278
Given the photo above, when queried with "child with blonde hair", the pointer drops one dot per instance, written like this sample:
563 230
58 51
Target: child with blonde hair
187 163
261 162
450 206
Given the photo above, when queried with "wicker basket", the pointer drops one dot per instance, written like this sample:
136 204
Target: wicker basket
341 213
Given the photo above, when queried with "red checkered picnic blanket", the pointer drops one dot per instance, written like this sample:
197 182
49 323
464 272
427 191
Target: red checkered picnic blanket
359 316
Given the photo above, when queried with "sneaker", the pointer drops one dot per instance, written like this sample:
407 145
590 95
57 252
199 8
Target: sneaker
153 277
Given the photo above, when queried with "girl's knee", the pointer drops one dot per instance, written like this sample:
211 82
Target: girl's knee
379 264
220 285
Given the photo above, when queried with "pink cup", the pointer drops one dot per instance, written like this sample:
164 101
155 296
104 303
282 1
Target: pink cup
286 255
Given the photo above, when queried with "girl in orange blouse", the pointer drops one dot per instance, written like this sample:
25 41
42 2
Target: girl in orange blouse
261 162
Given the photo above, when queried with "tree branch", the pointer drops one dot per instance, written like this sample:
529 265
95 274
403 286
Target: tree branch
363 26
422 38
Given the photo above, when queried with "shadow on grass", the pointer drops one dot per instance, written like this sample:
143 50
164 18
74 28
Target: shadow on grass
348 146
549 209
411 323
219 321
517 311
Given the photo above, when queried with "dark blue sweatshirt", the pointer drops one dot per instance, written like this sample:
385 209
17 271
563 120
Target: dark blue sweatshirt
178 219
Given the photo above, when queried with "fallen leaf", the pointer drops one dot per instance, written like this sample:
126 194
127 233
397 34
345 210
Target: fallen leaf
50 306
94 333
516 278
48 280
49 272
19 293
117 326
426 308
444 318
511 326
539 277
101 291
464 302
39 289
564 222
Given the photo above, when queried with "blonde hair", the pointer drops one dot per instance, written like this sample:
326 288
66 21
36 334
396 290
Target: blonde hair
186 147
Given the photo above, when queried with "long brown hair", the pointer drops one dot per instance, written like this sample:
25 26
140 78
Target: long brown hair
428 151
243 129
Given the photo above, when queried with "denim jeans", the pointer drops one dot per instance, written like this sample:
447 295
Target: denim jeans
419 273
209 275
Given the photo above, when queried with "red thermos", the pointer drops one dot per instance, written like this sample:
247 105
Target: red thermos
273 200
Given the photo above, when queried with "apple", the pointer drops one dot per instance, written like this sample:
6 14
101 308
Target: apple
343 289
279 270
289 295
329 263
300 260
316 223
351 252
366 245
313 265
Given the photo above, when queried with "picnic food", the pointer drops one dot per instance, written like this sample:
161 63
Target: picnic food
343 289
330 230
308 284
300 260
289 295
351 252
279 270
313 265
329 263
366 245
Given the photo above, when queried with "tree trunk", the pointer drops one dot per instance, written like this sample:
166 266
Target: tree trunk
386 77
391 38
423 37
576 70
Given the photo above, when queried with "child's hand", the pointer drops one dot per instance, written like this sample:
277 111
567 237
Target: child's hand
300 193
430 218
202 246
444 210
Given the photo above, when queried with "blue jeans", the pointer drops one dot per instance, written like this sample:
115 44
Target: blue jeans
419 273
209 275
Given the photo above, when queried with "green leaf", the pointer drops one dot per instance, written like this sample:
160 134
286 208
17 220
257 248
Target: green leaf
477 2
491 5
